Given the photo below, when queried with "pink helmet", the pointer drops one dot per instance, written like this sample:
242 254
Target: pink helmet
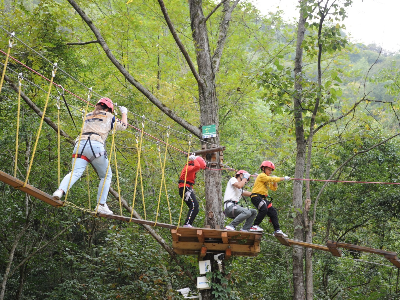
107 102
202 162
241 172
267 163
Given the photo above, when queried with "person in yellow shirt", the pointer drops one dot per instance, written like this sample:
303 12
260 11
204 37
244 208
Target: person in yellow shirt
259 193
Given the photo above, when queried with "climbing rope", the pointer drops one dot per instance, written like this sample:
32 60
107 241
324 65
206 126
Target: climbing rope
79 142
163 183
18 118
138 168
88 185
116 173
10 44
184 182
53 74
58 143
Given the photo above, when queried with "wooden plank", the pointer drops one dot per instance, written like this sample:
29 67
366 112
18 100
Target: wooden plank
282 240
394 260
308 245
175 235
200 236
197 252
213 247
332 246
224 236
365 249
30 190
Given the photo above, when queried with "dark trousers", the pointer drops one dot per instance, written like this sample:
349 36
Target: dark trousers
191 202
262 206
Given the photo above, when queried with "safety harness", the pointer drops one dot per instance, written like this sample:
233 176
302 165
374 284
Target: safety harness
262 201
95 155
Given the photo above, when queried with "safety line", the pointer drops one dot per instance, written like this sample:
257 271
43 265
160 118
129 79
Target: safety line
10 44
18 119
53 74
139 150
345 181
184 183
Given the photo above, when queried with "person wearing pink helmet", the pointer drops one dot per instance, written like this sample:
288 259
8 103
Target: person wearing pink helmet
185 184
259 194
233 193
91 143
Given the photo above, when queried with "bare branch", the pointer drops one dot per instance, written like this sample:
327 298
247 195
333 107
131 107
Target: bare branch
214 10
223 31
179 43
170 113
83 43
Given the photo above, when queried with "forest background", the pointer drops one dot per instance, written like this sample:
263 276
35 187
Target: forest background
49 253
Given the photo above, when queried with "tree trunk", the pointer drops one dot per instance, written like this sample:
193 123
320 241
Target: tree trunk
208 111
298 278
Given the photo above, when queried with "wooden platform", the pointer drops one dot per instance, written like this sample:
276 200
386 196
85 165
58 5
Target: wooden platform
199 241
332 247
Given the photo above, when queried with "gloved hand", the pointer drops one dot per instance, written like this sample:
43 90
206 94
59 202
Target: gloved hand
246 175
192 157
123 109
286 178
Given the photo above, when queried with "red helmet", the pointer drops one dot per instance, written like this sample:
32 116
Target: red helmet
107 102
241 172
267 163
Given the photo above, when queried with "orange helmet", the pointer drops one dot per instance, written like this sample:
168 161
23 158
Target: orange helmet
107 102
267 163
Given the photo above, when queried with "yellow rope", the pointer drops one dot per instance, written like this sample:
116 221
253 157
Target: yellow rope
79 142
58 143
18 118
163 181
10 44
184 183
41 123
139 150
108 168
116 173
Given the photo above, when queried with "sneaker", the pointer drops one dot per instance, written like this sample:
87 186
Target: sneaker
187 226
256 228
280 232
103 209
58 194
227 227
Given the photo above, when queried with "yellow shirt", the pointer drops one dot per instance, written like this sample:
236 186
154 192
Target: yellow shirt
264 183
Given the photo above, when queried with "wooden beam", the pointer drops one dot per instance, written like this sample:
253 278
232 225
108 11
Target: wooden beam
332 246
365 249
175 235
211 150
394 260
213 246
224 236
200 236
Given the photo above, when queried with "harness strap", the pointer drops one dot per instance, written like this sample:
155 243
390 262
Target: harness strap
81 156
187 182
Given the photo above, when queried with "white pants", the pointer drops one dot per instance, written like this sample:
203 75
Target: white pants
99 164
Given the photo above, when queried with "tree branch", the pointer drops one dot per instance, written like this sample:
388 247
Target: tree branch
193 129
214 10
223 31
179 43
83 43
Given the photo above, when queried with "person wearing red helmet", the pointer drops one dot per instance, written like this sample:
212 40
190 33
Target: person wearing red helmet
259 193
91 143
233 193
185 185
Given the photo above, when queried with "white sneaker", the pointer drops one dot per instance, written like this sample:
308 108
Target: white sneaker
103 209
256 228
280 232
227 227
188 226
58 194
